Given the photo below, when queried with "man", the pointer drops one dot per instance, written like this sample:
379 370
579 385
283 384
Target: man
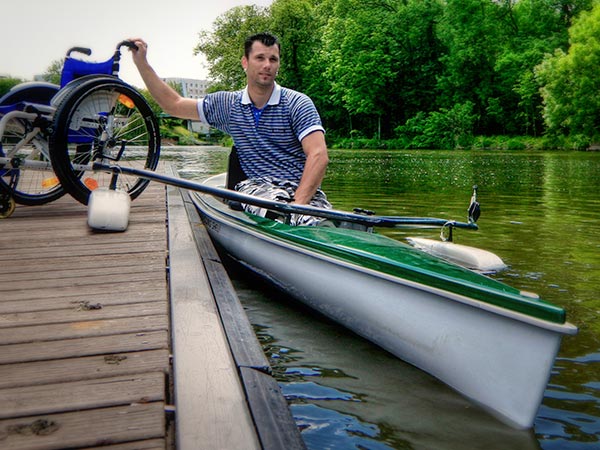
277 132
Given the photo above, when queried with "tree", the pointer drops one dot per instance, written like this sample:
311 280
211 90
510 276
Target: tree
6 84
53 72
379 75
372 65
446 128
470 30
294 23
224 46
570 82
533 29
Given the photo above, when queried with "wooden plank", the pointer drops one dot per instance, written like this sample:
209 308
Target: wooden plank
153 444
47 243
131 267
84 428
81 395
75 228
80 282
82 311
245 347
67 370
76 223
87 346
274 421
73 302
272 417
37 333
89 291
208 393
80 249
69 262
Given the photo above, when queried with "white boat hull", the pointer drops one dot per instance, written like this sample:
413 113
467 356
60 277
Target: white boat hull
500 359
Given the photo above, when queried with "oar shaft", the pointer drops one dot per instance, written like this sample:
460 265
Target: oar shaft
287 208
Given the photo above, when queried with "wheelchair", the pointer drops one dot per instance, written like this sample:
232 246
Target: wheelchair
50 136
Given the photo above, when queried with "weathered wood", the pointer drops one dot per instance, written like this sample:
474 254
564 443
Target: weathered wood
81 249
84 329
244 345
86 368
69 302
84 428
135 286
208 393
67 262
81 267
66 226
81 311
81 395
38 333
81 282
87 346
85 355
274 421
153 444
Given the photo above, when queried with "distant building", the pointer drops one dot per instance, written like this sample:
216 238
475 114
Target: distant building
191 88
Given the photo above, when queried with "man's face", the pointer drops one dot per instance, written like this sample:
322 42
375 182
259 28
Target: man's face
262 64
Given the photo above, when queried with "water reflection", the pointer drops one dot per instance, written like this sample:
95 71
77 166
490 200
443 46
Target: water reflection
376 401
540 213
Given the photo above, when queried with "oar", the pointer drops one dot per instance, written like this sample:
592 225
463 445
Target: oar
286 208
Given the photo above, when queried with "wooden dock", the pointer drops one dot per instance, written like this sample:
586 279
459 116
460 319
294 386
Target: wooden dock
132 340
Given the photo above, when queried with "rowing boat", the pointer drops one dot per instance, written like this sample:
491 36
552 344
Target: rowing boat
491 342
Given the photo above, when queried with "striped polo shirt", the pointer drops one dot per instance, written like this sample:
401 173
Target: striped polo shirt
268 141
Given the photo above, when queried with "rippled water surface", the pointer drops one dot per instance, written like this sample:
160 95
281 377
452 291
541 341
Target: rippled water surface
540 213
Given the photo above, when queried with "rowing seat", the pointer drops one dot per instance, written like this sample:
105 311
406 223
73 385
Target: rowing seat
235 173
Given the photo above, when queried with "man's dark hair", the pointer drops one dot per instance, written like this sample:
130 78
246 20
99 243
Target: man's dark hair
264 38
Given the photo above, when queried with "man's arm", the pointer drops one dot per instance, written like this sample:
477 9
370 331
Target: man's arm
315 148
169 100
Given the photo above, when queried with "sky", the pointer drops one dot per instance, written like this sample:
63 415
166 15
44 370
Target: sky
34 33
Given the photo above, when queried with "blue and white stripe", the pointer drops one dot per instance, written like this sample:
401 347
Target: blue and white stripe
273 146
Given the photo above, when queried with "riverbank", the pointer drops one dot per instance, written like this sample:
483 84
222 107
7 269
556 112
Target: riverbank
175 136
545 143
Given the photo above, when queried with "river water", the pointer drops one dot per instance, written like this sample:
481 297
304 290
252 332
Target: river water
540 213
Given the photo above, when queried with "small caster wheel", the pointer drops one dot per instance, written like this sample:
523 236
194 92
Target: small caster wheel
7 206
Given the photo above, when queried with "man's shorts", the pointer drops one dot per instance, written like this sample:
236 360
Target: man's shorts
281 191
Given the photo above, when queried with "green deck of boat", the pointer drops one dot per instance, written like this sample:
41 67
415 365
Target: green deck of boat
394 258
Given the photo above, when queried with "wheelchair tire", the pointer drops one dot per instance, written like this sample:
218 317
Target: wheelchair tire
28 186
102 119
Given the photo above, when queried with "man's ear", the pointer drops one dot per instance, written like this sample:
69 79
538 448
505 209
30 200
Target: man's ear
244 62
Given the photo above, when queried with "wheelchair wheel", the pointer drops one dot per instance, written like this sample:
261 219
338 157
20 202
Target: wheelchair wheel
103 120
26 184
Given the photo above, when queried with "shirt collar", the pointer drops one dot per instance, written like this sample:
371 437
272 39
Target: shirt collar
274 100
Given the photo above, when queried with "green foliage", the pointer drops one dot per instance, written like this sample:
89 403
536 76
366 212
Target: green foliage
444 129
6 84
570 81
176 87
471 31
375 73
156 109
292 21
437 71
53 72
224 46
